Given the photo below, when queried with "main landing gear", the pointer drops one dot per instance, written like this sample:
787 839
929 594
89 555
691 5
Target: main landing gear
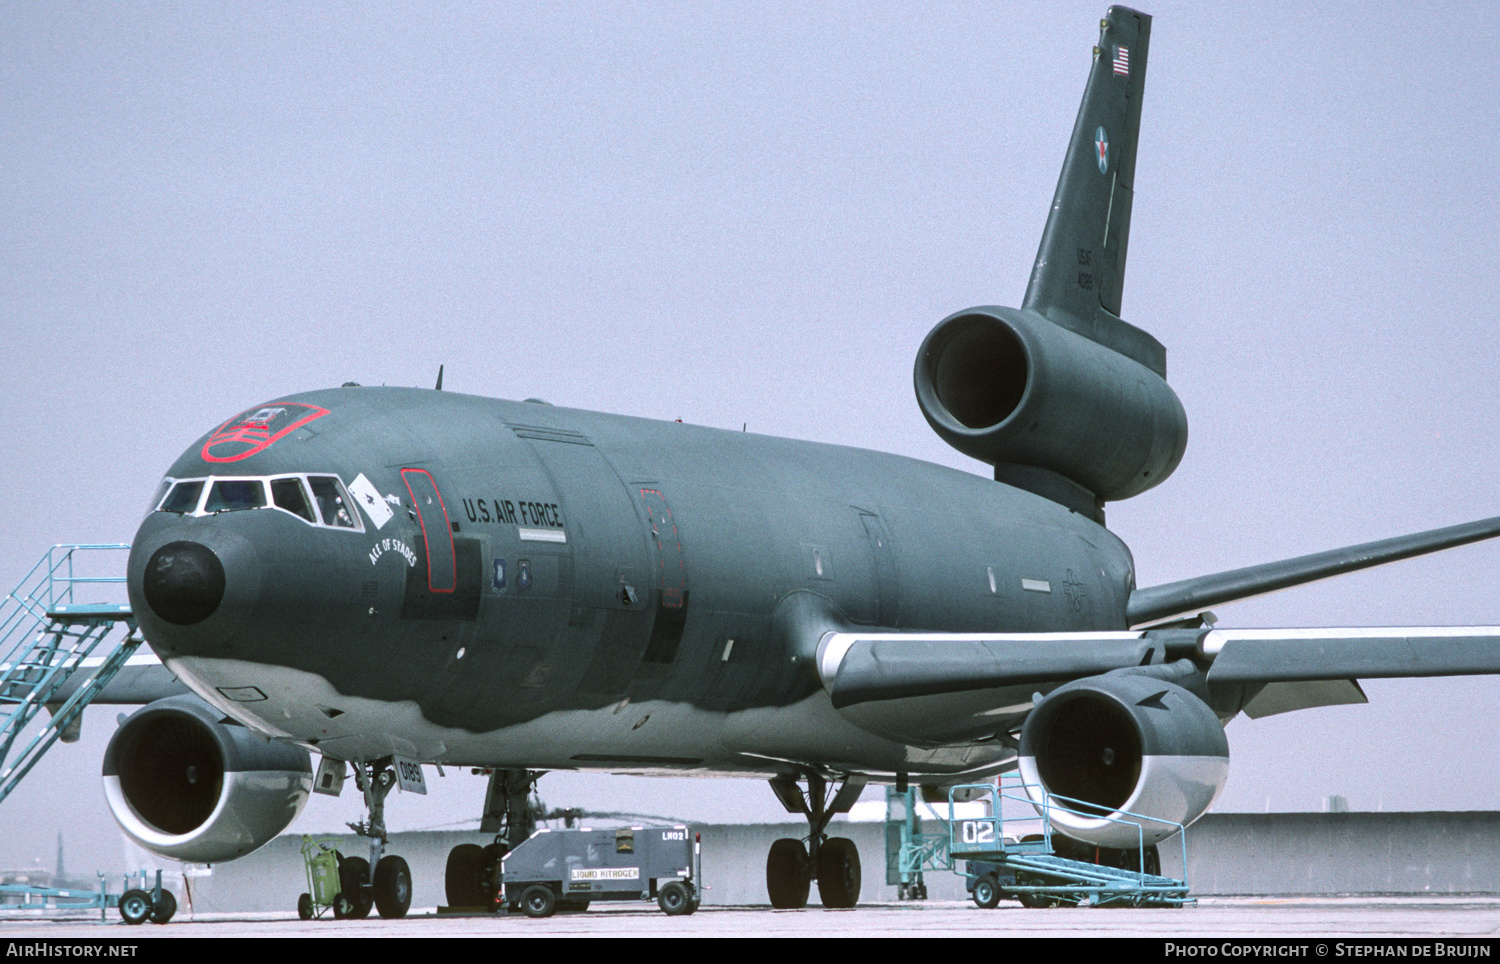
833 862
389 889
473 875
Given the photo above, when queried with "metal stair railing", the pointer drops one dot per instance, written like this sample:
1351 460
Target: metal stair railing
48 640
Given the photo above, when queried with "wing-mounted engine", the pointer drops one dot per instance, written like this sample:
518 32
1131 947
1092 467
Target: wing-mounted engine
1125 742
1043 404
185 785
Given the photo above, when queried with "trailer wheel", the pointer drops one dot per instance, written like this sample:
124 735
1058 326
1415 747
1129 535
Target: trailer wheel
987 892
305 907
135 906
674 900
162 910
354 878
538 901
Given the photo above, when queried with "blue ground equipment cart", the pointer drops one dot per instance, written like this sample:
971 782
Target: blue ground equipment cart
568 869
1047 870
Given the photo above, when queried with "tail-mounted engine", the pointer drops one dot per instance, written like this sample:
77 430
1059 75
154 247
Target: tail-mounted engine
185 785
1037 401
1124 742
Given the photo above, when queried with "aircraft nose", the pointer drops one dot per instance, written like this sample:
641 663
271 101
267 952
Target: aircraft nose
183 583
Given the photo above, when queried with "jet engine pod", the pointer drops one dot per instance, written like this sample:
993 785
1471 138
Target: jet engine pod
1124 742
184 785
1011 388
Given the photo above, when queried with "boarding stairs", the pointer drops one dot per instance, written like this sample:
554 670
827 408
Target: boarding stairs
57 653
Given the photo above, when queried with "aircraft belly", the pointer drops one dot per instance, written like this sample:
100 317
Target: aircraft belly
653 736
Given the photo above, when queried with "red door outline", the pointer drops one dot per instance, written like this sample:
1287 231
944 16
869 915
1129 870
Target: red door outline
451 569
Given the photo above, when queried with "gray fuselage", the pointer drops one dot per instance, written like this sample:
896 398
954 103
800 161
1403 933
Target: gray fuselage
551 588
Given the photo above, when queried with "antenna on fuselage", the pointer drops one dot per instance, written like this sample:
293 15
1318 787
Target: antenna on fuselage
440 379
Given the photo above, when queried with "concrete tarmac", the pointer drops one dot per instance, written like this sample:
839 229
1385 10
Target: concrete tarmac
1461 918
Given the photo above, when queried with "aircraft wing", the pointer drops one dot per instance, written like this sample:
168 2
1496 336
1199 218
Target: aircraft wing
957 685
1190 595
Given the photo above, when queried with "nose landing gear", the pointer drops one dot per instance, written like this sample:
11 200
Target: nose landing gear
389 891
833 862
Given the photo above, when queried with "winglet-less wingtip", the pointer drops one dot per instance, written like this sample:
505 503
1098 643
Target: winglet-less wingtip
1188 595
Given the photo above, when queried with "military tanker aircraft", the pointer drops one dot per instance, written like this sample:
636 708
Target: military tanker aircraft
388 578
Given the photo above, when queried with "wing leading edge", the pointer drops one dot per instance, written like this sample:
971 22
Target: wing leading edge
1190 595
870 668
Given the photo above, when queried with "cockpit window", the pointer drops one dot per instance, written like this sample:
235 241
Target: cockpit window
289 494
232 495
319 500
184 496
333 502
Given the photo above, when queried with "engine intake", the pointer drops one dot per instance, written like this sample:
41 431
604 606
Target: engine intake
184 785
1124 742
1014 390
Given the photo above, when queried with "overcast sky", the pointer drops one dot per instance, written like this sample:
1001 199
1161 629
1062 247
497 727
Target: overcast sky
753 213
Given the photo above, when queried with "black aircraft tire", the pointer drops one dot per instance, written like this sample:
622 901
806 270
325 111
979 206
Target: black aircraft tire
461 879
392 887
135 906
838 873
987 892
787 879
162 910
538 901
305 907
354 874
674 899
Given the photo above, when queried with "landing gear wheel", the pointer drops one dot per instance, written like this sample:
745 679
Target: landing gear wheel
674 899
538 901
392 887
135 906
354 876
305 907
162 910
838 873
463 885
987 892
787 879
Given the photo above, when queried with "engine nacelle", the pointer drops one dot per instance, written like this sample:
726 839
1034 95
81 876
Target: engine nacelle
1012 388
1124 742
184 785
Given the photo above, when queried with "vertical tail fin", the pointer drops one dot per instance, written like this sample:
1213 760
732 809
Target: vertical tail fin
1080 266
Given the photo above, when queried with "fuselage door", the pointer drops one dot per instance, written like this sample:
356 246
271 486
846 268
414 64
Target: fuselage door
437 530
672 589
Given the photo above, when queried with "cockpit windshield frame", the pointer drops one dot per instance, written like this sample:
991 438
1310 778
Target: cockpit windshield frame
320 499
